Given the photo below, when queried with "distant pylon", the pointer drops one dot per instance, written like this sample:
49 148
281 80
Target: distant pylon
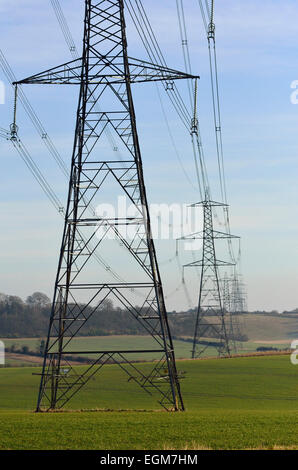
232 325
238 296
212 323
211 328
238 305
105 74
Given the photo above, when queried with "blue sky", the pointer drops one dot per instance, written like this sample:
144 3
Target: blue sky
257 46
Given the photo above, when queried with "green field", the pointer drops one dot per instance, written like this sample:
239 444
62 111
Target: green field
230 404
262 330
110 343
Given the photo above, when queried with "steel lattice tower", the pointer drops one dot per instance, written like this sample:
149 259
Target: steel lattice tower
238 300
232 327
213 324
105 74
211 328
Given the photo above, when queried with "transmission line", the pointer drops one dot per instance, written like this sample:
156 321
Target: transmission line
207 13
33 116
151 45
29 162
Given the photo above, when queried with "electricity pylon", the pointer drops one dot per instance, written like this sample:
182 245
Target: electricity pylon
105 74
211 326
232 325
238 296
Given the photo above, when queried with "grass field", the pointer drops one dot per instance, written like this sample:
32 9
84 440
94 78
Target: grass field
262 330
110 343
230 404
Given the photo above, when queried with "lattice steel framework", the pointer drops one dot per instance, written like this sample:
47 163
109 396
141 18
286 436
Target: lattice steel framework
238 297
211 328
213 323
231 324
105 74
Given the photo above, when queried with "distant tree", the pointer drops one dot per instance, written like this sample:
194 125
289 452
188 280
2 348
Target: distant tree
294 312
38 298
41 347
25 350
105 306
14 299
266 348
3 297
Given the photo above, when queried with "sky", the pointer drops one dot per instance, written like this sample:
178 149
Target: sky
257 62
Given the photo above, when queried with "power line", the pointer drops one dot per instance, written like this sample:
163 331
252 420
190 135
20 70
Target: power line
65 29
151 45
33 116
29 162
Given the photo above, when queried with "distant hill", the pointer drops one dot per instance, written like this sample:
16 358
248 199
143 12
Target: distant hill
270 327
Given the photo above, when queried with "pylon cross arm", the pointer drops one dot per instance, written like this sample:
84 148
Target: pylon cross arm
105 70
200 235
209 263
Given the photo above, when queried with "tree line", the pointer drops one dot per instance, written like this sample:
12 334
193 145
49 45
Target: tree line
30 318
